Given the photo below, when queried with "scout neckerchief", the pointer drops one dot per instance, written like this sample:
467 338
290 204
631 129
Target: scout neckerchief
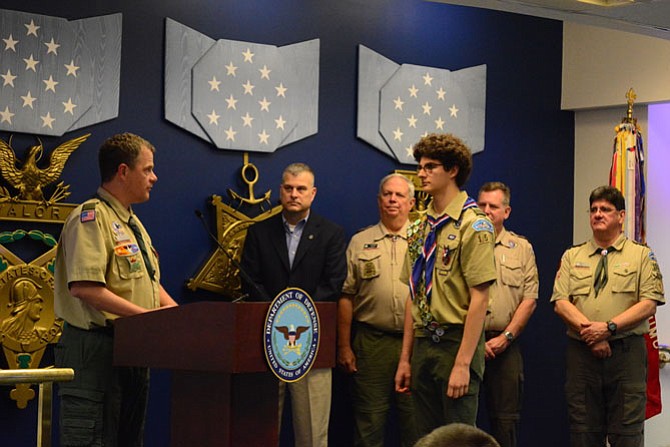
132 223
422 255
601 269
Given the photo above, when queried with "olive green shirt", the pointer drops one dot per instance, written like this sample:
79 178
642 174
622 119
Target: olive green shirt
633 275
464 259
517 279
97 245
375 258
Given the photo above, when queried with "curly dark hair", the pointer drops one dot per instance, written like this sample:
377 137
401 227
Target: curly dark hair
449 150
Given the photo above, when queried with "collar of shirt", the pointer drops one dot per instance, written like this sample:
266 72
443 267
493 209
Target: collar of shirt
109 199
454 209
383 232
618 245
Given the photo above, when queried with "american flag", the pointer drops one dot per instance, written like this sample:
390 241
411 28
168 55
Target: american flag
243 96
46 79
402 103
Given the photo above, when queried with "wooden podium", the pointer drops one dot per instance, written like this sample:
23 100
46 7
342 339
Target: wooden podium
223 393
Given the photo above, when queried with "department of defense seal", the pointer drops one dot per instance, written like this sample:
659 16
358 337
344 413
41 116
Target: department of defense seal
291 334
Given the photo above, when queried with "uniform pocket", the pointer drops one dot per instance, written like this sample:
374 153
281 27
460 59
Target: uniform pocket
130 267
624 279
81 417
510 273
581 281
369 265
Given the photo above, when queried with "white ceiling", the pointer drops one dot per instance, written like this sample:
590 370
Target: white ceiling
650 17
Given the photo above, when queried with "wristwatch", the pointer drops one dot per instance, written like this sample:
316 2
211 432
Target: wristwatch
509 336
612 327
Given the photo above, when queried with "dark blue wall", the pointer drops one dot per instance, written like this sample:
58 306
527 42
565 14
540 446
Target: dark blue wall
529 145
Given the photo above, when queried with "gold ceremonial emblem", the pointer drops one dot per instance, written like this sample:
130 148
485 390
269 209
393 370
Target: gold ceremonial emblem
27 319
219 274
422 198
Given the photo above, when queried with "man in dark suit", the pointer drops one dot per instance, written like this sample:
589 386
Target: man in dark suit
297 248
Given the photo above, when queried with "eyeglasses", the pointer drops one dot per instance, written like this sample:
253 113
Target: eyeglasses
428 167
602 209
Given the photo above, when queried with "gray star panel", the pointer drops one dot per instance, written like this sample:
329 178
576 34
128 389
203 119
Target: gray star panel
102 35
269 102
39 93
183 48
243 96
414 100
58 76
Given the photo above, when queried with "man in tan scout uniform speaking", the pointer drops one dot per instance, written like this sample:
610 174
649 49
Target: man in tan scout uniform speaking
106 267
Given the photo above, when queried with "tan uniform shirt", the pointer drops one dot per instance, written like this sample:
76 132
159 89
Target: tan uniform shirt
464 259
517 279
97 245
375 257
633 276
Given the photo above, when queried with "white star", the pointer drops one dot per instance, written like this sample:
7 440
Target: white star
50 84
427 79
280 122
281 90
424 135
413 91
52 47
230 133
454 111
69 106
71 68
213 117
410 151
31 63
265 72
397 134
32 29
9 78
247 120
28 100
248 56
440 93
214 84
412 121
10 43
231 102
398 103
47 121
248 88
263 137
230 69
265 104
426 108
439 123
6 115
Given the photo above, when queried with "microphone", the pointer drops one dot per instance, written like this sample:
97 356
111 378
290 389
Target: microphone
234 261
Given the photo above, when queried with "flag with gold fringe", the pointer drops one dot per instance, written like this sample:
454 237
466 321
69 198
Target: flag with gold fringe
627 175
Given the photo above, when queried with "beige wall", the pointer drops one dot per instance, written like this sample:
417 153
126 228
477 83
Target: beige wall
600 65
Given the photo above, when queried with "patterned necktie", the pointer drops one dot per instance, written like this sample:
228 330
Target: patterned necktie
143 248
601 270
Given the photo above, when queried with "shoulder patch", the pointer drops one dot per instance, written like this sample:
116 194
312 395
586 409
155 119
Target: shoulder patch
363 229
483 225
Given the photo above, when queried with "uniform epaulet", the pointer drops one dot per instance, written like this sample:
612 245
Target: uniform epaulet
478 211
578 245
638 243
363 229
520 236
